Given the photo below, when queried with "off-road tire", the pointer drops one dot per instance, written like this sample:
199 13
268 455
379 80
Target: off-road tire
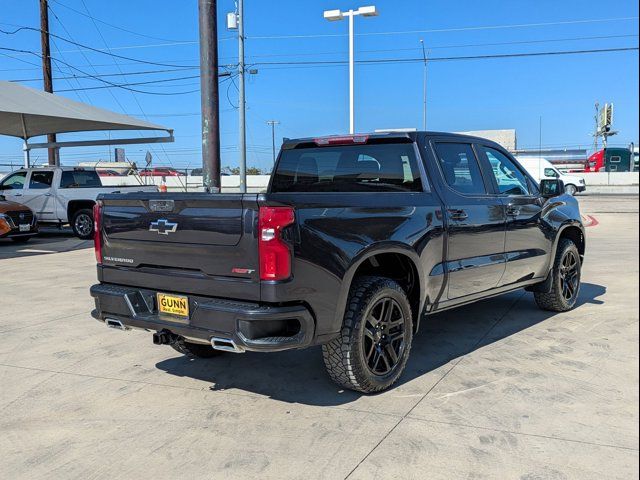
194 349
555 301
88 233
344 357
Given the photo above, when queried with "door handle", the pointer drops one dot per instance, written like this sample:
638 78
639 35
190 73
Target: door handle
513 211
458 215
17 194
47 194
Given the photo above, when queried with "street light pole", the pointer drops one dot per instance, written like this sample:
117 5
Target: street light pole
334 15
352 120
273 124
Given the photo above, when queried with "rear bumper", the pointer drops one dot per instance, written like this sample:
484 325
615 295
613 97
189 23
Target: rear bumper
251 326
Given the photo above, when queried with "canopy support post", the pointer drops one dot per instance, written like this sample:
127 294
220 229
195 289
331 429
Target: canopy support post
27 158
25 145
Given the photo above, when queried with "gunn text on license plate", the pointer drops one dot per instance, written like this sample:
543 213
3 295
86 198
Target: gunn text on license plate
173 304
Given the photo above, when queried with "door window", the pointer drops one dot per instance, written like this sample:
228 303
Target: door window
41 180
550 172
460 168
14 182
80 179
510 179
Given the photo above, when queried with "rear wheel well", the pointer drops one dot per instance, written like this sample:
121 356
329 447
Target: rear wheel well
397 267
76 205
576 236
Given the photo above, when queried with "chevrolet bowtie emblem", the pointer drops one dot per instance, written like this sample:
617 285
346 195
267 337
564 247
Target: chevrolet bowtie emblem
163 227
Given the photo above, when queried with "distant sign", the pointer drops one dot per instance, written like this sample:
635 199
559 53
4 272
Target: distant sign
605 118
120 157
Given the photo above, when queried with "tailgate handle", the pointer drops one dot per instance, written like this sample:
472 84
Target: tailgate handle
161 205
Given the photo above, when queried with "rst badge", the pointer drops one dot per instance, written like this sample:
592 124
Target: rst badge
163 227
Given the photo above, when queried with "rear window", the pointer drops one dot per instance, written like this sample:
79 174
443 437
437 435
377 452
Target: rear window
353 168
80 179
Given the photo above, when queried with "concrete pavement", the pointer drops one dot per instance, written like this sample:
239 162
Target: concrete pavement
499 389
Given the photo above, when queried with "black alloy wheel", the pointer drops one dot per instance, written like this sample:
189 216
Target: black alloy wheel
384 336
569 275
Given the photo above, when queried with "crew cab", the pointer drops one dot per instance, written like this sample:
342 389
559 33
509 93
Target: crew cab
357 241
17 222
60 195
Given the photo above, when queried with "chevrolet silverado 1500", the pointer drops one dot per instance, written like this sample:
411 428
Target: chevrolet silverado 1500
357 241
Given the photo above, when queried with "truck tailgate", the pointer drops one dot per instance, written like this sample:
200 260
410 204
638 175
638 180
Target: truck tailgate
191 242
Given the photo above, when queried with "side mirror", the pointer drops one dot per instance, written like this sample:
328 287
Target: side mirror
551 187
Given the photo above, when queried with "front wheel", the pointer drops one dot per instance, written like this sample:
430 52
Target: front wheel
82 224
373 347
570 190
565 284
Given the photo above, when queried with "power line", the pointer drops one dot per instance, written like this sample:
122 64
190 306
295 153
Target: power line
88 75
431 47
112 25
446 30
87 47
444 59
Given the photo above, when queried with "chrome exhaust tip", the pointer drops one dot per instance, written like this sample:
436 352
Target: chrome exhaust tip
117 324
225 345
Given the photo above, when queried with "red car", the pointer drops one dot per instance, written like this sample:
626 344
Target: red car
160 172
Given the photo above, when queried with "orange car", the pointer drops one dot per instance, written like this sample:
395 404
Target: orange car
16 221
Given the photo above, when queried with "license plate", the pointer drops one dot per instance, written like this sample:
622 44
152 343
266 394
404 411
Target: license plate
173 305
25 228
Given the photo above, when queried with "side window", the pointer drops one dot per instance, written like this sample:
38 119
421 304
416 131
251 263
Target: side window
460 168
14 182
550 172
509 177
80 179
41 180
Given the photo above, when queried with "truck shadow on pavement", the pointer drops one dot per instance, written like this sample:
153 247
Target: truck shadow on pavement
49 240
299 376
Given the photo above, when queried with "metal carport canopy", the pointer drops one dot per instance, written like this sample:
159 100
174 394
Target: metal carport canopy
26 112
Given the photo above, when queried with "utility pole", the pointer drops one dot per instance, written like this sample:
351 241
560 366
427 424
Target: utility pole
54 159
273 124
424 88
241 100
209 99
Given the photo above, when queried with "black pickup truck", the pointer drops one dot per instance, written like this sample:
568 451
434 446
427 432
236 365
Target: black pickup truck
358 239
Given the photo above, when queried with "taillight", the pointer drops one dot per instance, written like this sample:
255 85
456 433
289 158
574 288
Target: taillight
341 140
275 253
97 227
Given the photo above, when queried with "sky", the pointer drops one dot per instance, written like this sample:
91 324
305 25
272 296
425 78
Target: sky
286 40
